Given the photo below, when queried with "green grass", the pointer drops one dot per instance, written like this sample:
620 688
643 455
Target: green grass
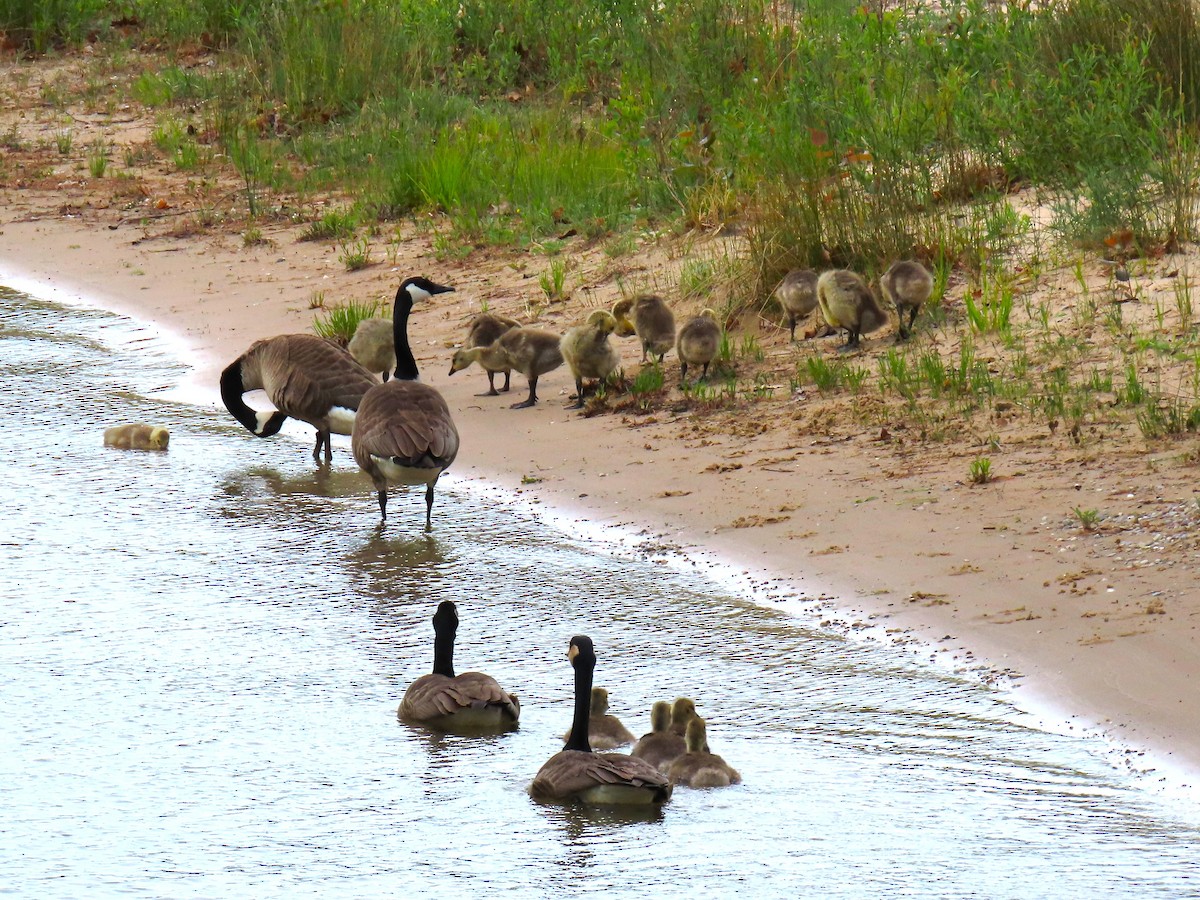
339 322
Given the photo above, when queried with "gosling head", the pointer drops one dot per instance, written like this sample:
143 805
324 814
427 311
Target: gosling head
696 736
599 701
602 320
159 438
462 359
683 710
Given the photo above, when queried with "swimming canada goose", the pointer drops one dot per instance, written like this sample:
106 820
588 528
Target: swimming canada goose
404 432
660 746
698 768
907 284
531 351
847 303
698 343
605 732
471 701
797 294
588 353
649 317
306 377
137 437
485 329
374 345
577 773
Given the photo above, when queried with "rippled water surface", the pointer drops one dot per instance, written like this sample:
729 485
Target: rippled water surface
201 653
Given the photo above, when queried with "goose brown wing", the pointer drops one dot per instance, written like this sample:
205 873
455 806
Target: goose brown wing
305 376
570 772
434 696
408 420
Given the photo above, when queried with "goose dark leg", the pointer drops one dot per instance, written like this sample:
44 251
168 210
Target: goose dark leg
532 398
792 324
682 373
507 375
851 341
429 505
323 442
578 404
491 391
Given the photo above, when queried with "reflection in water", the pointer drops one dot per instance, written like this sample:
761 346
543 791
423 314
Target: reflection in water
203 652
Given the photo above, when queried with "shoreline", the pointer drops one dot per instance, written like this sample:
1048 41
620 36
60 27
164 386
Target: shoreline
966 572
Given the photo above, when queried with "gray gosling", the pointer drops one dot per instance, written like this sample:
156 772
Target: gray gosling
847 303
588 352
306 377
374 345
907 284
577 773
404 433
660 746
698 342
531 351
137 437
649 317
470 701
797 294
698 768
485 329
605 732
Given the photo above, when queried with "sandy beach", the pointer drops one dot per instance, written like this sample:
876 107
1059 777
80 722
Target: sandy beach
1098 626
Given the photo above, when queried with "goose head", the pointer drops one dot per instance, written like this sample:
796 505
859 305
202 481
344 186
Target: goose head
233 387
411 290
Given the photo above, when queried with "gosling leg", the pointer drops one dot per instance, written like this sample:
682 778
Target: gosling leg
531 399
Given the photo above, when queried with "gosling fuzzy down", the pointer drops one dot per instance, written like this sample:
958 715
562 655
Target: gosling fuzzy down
649 317
907 284
660 746
531 351
847 303
698 342
485 329
137 437
588 353
698 768
374 345
797 294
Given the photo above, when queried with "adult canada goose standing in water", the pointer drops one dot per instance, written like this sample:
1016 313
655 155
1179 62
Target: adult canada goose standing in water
698 343
698 767
306 377
797 294
531 351
908 285
847 303
373 345
404 432
588 353
471 701
577 773
485 329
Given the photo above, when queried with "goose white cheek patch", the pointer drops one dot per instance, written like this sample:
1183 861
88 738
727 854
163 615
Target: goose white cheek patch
341 420
261 419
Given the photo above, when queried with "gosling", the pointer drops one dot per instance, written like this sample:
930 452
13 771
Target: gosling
660 746
374 345
605 732
649 317
137 437
589 354
847 303
698 342
698 768
485 329
797 294
531 351
908 285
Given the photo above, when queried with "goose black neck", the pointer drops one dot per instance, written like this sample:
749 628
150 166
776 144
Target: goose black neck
232 389
406 364
584 670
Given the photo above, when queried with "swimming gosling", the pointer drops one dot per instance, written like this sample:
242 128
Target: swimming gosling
588 352
137 437
605 732
660 746
698 768
577 773
485 329
374 345
470 701
698 343
847 303
531 351
908 285
649 317
404 432
797 294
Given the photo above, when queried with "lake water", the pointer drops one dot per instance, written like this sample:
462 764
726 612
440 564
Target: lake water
202 652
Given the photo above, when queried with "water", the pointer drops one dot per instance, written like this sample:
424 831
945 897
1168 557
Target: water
202 651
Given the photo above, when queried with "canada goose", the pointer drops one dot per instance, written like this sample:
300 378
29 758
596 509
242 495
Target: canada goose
907 284
577 773
847 303
137 437
305 377
699 340
587 351
471 701
660 746
698 768
605 732
374 345
531 351
797 294
485 329
404 432
649 317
